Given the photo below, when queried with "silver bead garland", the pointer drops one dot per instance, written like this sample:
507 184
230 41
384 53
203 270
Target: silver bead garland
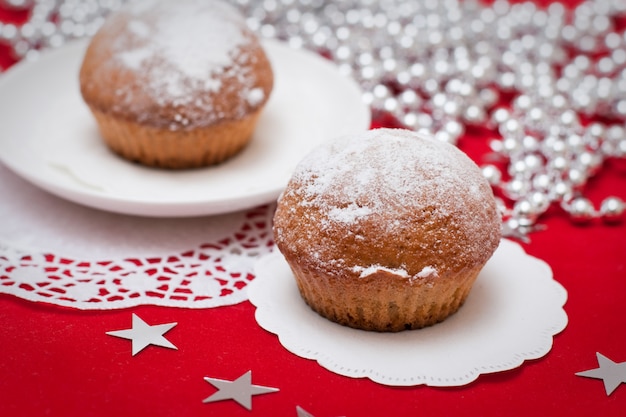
549 83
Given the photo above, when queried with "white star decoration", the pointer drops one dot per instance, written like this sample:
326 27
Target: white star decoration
142 334
302 412
240 390
610 372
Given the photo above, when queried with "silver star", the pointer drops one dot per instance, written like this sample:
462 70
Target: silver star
240 390
610 372
142 334
302 412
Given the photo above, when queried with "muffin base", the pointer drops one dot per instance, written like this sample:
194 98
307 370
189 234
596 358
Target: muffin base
176 149
382 301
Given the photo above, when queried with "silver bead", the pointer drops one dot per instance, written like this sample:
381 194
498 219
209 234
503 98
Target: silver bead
9 32
553 146
518 168
512 128
558 102
445 136
404 79
506 81
492 174
424 120
569 118
474 115
559 163
533 163
454 128
576 177
561 191
430 87
500 116
451 108
589 161
488 96
390 105
530 144
574 143
409 120
522 103
580 209
21 48
516 188
540 200
541 182
496 146
525 212
510 145
410 99
612 209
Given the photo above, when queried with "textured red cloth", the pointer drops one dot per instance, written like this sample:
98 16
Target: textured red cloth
59 362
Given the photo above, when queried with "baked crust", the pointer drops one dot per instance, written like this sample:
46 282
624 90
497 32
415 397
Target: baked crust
383 301
161 148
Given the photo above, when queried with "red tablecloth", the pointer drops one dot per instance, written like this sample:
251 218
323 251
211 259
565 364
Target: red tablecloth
60 362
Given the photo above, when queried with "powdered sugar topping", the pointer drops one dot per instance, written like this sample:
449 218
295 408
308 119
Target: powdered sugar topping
365 272
182 51
375 173
255 96
348 214
170 30
427 271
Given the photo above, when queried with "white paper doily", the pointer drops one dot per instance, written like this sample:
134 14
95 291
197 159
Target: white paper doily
513 311
50 138
62 253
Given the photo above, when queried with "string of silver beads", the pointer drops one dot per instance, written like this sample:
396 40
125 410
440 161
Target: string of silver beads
549 83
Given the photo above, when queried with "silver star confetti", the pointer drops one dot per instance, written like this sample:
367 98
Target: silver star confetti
301 412
610 372
240 390
143 334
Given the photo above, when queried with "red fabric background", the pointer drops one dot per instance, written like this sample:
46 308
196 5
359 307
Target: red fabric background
59 362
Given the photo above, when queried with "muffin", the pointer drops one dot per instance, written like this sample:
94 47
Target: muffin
386 230
176 84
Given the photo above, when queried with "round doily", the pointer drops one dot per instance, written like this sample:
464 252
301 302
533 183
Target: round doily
514 310
61 253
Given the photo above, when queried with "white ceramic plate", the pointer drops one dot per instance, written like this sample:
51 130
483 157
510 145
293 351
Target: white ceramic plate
511 315
50 138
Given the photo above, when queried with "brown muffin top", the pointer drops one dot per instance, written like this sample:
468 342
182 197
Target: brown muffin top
389 200
176 65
